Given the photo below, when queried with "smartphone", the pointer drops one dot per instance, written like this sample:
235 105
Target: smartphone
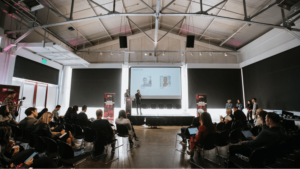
35 153
15 147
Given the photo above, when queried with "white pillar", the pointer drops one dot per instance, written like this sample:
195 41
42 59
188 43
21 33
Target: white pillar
7 64
65 89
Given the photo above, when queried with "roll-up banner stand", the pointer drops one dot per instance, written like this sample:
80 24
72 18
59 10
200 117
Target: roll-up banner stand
201 101
128 106
109 105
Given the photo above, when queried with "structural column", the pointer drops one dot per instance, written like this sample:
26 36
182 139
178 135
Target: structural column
7 64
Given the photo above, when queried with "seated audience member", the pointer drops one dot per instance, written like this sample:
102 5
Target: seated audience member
11 157
227 119
266 137
105 126
207 127
258 121
122 120
27 122
67 116
195 123
228 104
82 117
42 128
249 112
55 113
42 112
238 115
262 119
239 105
5 116
74 115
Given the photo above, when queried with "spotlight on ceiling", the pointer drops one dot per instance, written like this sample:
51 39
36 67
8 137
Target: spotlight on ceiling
111 53
288 4
225 54
101 53
182 53
163 53
210 54
145 54
71 28
200 54
192 54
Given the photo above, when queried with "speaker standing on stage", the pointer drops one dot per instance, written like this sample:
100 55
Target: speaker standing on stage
138 101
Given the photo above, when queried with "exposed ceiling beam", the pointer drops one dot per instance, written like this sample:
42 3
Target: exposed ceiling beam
170 30
251 18
124 7
149 7
187 9
213 7
141 30
206 29
101 23
167 6
174 51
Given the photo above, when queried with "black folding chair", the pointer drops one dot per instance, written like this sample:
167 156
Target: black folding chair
255 130
39 144
259 158
18 134
221 141
208 144
235 136
67 156
90 137
52 148
122 131
69 127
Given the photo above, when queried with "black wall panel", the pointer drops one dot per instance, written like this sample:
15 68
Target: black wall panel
275 81
28 69
219 85
89 85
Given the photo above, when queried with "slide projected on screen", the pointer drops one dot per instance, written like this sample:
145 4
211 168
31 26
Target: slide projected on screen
156 83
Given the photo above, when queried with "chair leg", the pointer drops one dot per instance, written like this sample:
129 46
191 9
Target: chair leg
176 145
115 158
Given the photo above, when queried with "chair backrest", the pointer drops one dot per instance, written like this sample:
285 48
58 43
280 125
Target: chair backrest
26 135
69 127
18 131
52 124
236 124
39 144
51 146
144 106
161 106
77 131
222 138
65 151
235 136
208 142
220 126
90 135
122 130
102 137
61 120
153 106
258 157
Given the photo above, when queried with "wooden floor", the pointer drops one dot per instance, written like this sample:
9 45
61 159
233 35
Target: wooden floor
155 149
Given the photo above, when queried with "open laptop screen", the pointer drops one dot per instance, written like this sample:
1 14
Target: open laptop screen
247 133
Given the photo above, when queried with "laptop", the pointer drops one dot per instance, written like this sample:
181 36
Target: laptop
193 131
247 134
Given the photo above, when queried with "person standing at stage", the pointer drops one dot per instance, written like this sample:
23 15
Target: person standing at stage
239 104
228 104
138 101
126 95
254 108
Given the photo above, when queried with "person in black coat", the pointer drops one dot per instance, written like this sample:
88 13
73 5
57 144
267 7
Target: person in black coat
238 115
73 117
249 108
104 126
138 101
82 117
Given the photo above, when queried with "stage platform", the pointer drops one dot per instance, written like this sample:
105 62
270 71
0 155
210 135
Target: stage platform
161 120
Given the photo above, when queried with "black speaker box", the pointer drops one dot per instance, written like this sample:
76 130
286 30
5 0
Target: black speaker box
123 41
190 41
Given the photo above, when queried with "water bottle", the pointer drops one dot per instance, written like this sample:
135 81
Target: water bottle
240 156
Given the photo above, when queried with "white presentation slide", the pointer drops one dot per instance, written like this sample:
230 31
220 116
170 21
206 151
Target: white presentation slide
156 83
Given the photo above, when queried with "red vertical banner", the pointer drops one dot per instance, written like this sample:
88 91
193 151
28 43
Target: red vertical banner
109 105
201 101
128 106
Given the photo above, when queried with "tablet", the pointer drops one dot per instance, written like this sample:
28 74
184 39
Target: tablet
247 133
32 155
193 131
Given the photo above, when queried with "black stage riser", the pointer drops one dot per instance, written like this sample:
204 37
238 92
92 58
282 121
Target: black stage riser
162 120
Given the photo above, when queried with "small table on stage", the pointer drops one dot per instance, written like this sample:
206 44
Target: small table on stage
128 105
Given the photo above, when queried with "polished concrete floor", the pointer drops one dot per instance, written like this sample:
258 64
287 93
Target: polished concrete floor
155 149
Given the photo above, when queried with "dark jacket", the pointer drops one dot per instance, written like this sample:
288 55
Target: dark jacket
249 106
196 122
239 106
27 123
43 129
103 125
138 99
82 119
239 115
266 137
73 119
